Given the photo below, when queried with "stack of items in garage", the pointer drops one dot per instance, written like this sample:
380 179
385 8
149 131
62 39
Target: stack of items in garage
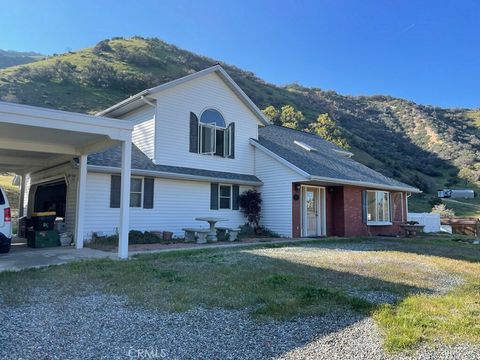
40 230
65 237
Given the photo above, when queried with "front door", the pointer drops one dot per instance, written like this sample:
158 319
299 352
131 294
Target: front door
311 198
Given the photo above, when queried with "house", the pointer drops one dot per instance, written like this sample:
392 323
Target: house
197 143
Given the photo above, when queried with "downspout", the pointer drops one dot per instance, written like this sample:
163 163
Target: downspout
147 101
406 202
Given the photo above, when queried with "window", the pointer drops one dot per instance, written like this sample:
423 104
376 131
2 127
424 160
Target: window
214 135
225 197
142 192
378 207
136 185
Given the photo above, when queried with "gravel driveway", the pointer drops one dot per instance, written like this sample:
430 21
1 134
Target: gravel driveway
106 327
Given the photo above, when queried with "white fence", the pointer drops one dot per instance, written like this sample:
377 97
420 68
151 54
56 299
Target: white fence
431 221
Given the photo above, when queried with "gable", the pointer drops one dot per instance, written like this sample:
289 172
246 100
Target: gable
138 100
210 91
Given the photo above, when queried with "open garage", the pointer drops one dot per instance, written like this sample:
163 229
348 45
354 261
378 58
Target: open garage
48 150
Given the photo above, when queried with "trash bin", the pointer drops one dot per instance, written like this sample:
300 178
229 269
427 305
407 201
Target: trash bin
41 239
42 221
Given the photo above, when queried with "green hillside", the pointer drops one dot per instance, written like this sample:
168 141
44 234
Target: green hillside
11 58
421 145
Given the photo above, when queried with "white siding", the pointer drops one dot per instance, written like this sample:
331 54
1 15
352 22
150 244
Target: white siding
143 135
176 205
276 193
173 125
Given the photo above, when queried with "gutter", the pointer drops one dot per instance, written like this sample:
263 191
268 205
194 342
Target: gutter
169 175
123 103
363 183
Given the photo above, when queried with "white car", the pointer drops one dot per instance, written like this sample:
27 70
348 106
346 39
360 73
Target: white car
5 223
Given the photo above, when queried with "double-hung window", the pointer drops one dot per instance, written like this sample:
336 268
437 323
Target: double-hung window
215 138
136 190
225 197
378 207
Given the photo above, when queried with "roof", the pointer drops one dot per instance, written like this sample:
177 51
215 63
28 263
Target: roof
32 138
325 162
136 101
110 161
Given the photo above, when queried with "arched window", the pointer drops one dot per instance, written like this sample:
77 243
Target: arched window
214 137
212 116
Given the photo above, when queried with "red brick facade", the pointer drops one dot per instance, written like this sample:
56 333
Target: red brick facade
344 213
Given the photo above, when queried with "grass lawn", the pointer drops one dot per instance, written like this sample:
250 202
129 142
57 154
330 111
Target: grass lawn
416 290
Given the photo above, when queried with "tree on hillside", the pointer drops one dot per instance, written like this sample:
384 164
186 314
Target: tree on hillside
290 118
272 114
102 46
287 116
469 174
99 73
63 71
326 128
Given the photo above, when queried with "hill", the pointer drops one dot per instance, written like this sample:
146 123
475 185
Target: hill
421 145
11 58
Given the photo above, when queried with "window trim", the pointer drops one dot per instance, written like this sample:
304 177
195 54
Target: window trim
227 135
142 190
201 127
388 210
220 196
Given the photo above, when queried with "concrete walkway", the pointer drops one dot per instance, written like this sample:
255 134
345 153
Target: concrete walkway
22 257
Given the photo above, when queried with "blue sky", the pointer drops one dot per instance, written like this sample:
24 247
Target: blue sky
426 51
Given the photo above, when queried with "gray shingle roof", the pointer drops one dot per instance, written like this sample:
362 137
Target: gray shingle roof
324 162
112 157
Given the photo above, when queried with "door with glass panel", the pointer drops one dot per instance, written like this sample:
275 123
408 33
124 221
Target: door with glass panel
311 218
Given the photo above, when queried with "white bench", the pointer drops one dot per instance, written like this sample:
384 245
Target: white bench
200 235
232 233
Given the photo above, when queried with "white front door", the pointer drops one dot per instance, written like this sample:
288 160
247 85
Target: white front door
312 207
311 197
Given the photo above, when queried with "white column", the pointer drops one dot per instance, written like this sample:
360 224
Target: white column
125 199
81 196
21 204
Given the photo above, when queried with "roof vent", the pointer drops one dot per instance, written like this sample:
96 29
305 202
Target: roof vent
304 146
347 154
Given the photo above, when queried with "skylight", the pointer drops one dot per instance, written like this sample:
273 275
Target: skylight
347 154
304 146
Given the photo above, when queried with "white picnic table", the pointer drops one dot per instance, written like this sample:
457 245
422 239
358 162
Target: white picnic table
212 235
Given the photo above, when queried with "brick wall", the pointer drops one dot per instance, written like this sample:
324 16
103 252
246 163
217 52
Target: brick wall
345 217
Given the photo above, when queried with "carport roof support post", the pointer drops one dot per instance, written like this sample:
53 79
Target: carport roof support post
125 199
81 189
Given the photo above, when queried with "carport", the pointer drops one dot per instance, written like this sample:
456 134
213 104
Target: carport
34 138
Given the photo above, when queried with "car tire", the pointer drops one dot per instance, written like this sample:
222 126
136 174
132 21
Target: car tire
5 247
